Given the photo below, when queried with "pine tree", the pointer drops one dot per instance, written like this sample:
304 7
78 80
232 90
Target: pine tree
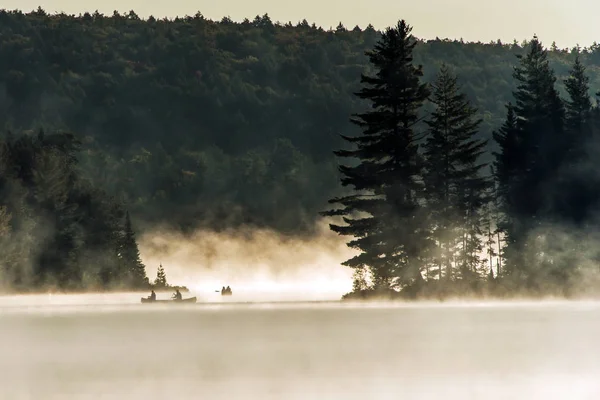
455 188
161 277
129 254
540 123
579 105
577 186
508 162
382 213
106 233
533 147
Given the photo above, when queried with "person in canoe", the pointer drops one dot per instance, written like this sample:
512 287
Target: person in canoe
225 291
177 295
152 296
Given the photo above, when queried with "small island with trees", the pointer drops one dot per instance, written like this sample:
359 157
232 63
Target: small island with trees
160 284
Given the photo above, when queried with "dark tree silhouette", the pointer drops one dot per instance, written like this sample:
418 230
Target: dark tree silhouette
161 277
456 188
385 182
129 254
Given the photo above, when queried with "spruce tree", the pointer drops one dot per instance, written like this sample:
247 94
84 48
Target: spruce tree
456 190
578 106
533 147
382 212
508 162
161 277
129 254
577 185
540 123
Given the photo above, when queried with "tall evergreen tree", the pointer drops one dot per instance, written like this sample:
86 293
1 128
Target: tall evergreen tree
533 148
540 122
455 187
578 186
131 263
578 106
382 213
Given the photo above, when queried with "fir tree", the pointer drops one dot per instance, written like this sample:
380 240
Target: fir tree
508 163
161 277
382 213
455 188
131 263
540 119
579 105
577 185
533 147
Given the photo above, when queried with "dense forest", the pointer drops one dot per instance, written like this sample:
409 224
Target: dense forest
58 229
198 123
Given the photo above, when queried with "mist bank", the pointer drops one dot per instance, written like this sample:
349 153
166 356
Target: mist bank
252 260
263 265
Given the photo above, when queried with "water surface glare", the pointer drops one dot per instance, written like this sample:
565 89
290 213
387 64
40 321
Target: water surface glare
115 348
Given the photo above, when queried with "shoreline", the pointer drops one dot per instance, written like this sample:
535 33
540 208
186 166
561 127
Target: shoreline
368 296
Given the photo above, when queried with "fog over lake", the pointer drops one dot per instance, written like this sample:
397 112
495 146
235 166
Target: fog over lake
113 347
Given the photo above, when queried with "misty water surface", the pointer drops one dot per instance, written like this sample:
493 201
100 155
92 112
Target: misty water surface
111 347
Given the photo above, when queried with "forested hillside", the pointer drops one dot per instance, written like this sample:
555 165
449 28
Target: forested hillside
195 122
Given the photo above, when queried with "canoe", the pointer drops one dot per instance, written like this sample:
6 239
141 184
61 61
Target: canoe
188 300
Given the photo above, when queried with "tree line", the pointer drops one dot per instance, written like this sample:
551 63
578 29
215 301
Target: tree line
424 213
59 231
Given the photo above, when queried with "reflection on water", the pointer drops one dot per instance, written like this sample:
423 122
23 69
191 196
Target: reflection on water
94 347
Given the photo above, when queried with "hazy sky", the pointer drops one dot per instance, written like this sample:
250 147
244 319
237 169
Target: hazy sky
566 22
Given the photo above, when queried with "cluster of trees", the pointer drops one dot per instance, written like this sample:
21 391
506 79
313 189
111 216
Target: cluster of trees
197 122
425 214
160 282
161 278
58 230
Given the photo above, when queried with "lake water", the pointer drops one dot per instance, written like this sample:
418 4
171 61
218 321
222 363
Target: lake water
112 347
